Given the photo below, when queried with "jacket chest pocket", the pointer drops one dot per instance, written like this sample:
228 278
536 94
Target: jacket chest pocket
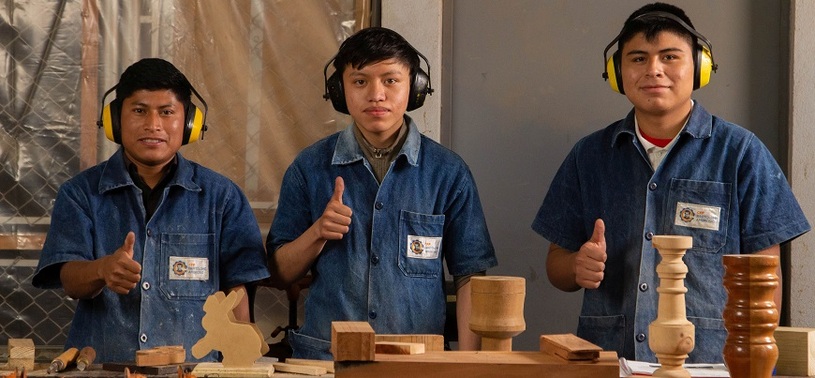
419 244
187 267
699 209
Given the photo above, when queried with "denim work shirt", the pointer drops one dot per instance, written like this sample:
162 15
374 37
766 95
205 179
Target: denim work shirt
714 168
387 269
203 223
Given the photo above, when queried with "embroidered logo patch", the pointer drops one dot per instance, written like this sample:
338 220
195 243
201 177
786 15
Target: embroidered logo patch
697 216
423 247
189 268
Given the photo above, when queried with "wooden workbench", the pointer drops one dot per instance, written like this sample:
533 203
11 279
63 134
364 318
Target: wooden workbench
95 371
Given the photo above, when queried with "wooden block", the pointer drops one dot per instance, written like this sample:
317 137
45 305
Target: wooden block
432 343
21 354
165 355
352 341
299 369
395 347
796 351
217 369
569 347
328 365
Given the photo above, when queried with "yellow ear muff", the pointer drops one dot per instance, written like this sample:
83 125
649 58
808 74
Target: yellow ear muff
198 128
705 67
611 71
107 123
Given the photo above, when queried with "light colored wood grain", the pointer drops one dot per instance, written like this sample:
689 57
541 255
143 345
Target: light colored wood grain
299 369
796 351
395 347
216 369
160 356
352 341
432 343
241 343
328 365
569 346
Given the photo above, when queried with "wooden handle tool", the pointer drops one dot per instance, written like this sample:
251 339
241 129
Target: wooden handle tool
63 360
85 359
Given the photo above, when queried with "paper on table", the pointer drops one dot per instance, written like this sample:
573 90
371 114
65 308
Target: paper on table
629 368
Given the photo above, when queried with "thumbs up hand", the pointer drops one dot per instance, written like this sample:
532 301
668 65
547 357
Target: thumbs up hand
590 260
336 219
120 272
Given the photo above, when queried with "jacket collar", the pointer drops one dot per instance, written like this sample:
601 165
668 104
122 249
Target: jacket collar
348 150
114 174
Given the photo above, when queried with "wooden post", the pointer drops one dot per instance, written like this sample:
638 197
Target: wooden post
750 315
671 334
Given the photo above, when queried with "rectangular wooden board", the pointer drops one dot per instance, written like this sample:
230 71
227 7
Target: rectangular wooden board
480 364
432 343
395 347
569 347
328 365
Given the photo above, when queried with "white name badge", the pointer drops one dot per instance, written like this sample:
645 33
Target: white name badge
697 216
423 247
189 268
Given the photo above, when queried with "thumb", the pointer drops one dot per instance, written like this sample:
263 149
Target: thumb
599 234
339 188
130 240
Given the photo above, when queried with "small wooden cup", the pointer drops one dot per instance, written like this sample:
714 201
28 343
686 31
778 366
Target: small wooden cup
497 310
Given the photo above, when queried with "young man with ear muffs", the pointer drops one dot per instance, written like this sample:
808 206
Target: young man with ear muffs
142 239
374 210
668 168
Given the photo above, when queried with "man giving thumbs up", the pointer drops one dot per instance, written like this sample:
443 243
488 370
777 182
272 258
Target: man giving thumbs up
374 210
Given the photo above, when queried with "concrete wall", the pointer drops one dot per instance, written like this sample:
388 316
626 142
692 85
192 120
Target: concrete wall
802 157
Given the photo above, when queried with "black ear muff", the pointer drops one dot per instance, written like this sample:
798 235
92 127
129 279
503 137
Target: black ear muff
703 65
334 90
420 87
110 120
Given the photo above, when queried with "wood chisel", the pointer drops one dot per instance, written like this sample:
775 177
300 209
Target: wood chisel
66 358
85 359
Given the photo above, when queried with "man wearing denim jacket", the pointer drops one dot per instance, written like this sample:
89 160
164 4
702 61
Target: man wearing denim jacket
142 239
669 167
373 210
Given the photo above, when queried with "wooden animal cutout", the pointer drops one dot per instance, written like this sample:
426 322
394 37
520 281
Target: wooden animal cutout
241 343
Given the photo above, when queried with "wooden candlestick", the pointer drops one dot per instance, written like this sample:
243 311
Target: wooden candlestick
671 334
750 315
497 310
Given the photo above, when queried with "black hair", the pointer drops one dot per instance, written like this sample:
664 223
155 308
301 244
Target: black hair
154 74
646 21
375 44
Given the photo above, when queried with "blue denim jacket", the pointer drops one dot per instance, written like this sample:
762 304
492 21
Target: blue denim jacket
377 273
202 216
713 165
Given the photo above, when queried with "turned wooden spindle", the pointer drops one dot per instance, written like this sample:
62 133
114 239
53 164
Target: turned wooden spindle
750 315
671 334
497 310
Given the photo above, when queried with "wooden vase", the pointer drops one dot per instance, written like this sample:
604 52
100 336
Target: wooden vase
750 315
497 310
671 334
